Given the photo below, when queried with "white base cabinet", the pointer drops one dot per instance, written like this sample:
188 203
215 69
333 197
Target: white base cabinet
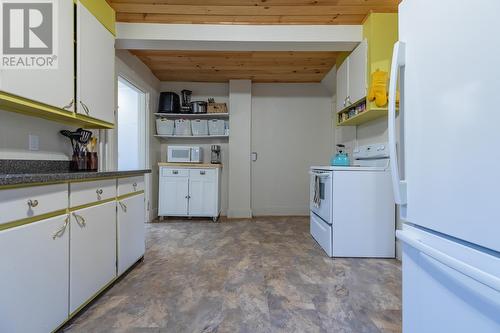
131 219
34 264
51 268
189 192
93 252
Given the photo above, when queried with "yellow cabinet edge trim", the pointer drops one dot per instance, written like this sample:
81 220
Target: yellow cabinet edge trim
129 195
12 103
92 204
103 12
30 220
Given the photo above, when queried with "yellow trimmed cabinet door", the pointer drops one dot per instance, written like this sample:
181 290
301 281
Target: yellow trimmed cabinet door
50 86
131 219
93 252
34 277
95 67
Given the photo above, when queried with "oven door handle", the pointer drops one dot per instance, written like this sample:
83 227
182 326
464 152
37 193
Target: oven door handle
321 175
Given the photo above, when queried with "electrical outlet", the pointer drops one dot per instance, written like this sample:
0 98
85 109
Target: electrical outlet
34 142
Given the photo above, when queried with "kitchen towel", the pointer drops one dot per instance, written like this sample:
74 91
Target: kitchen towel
317 197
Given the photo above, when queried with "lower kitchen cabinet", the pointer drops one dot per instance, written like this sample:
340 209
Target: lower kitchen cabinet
131 246
93 252
202 193
174 193
189 192
34 264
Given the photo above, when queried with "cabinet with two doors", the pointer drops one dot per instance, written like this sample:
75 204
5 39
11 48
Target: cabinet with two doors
190 192
91 45
352 77
65 253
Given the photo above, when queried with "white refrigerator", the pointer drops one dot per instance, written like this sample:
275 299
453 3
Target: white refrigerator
445 163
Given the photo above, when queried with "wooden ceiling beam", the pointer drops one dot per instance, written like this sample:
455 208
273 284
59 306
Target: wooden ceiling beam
246 10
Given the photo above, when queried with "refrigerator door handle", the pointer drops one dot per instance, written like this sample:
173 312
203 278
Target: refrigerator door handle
460 266
398 185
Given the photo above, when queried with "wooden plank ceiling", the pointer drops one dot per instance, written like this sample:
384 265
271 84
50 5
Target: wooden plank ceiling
249 11
221 66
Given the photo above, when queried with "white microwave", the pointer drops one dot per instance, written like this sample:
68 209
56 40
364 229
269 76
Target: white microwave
184 154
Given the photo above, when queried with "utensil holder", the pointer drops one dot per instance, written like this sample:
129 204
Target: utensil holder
79 161
92 162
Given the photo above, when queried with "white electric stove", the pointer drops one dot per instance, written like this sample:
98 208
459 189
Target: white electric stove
355 213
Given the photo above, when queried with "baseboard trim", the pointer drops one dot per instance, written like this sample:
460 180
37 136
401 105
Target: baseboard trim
239 214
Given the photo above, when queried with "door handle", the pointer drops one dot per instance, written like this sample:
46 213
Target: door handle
85 108
458 265
398 184
32 203
60 231
70 104
255 156
123 206
80 220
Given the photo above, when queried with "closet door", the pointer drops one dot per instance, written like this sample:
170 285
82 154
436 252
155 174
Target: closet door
54 87
95 67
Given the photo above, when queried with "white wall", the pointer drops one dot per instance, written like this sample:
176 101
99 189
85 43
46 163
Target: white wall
292 129
131 68
15 129
202 91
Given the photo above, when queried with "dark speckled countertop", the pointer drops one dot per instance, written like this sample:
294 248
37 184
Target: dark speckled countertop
18 172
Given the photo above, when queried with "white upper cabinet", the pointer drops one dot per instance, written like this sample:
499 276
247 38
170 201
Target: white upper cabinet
357 73
342 84
95 67
352 77
54 87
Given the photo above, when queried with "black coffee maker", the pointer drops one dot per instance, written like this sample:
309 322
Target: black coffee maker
216 155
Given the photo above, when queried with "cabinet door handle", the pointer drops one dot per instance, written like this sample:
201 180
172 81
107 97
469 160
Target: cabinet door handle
60 231
80 220
32 203
188 197
123 206
70 104
134 185
99 193
203 172
175 172
85 108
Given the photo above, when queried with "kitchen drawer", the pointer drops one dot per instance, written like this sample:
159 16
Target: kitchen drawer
89 192
173 172
202 173
130 185
21 203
